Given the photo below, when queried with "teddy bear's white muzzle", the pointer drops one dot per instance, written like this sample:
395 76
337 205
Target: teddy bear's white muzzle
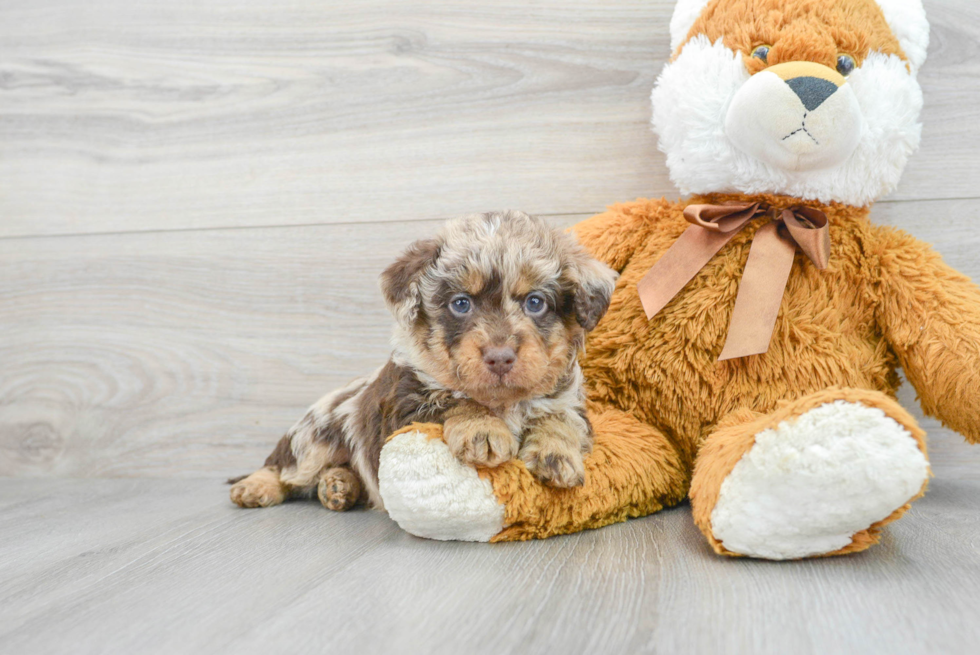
795 122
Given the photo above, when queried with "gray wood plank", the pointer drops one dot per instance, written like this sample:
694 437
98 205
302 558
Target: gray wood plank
120 116
180 353
159 346
148 566
189 353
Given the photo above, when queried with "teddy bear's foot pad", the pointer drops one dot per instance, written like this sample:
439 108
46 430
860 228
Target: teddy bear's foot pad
807 486
431 494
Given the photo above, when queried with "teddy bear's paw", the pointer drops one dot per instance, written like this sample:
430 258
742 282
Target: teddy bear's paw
807 486
431 494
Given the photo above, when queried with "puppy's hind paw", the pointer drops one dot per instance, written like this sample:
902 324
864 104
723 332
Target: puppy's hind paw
338 489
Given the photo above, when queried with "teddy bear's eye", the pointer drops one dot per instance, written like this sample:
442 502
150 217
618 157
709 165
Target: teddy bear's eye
845 64
761 52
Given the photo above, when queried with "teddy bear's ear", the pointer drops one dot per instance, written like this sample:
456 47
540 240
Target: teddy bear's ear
400 282
907 20
685 13
594 283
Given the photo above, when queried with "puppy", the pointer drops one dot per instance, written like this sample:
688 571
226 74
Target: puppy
490 317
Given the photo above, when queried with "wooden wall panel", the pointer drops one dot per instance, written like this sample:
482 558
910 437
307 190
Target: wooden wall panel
189 352
123 116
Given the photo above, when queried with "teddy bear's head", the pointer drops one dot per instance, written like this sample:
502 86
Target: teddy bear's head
816 99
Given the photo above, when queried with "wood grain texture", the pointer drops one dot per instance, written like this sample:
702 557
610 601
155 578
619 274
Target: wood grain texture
188 353
164 566
195 201
180 353
121 116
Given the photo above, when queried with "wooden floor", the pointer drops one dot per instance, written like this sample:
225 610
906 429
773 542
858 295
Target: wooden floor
167 566
195 201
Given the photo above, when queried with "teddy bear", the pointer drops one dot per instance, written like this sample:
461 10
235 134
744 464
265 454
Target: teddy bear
749 358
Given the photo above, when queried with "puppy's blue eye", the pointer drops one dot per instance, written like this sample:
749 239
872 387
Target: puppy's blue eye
535 304
460 304
845 64
761 52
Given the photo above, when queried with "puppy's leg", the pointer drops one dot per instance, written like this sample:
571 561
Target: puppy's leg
260 489
315 443
553 448
476 436
264 488
339 488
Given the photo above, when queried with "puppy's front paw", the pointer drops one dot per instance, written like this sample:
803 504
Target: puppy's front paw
261 489
484 441
561 468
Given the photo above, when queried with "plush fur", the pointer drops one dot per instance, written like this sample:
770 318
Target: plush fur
906 21
414 461
490 317
806 486
803 450
704 82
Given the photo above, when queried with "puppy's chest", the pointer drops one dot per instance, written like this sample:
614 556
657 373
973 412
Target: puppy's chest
521 416
517 420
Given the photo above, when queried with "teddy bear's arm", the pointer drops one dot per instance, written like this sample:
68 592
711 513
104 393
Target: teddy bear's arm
614 235
930 315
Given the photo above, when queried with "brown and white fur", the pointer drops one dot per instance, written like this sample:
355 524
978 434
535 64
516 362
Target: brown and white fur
491 315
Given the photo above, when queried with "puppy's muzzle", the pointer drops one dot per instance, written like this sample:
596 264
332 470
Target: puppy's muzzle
499 359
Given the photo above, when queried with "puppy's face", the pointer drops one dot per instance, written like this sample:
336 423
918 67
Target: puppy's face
497 306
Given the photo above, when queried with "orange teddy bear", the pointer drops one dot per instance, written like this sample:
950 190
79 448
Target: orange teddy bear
749 357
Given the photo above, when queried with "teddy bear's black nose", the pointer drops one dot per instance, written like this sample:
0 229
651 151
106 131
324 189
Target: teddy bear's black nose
811 91
499 360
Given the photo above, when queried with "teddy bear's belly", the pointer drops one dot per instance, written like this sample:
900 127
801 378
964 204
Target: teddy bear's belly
665 370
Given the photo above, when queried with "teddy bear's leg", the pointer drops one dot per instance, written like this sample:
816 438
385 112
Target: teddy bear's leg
819 476
633 471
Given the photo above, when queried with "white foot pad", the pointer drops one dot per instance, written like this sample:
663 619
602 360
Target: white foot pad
431 494
807 486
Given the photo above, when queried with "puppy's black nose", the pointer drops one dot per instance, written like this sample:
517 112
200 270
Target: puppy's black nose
499 360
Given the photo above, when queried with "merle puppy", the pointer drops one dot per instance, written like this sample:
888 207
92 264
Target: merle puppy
491 315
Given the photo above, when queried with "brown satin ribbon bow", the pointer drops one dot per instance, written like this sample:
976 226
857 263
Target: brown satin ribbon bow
766 272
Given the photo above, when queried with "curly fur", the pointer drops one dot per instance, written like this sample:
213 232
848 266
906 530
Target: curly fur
439 369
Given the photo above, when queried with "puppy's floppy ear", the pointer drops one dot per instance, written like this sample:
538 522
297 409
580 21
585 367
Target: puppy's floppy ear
400 282
594 284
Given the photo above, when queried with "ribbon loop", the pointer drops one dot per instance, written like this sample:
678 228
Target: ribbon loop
810 231
721 218
766 272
